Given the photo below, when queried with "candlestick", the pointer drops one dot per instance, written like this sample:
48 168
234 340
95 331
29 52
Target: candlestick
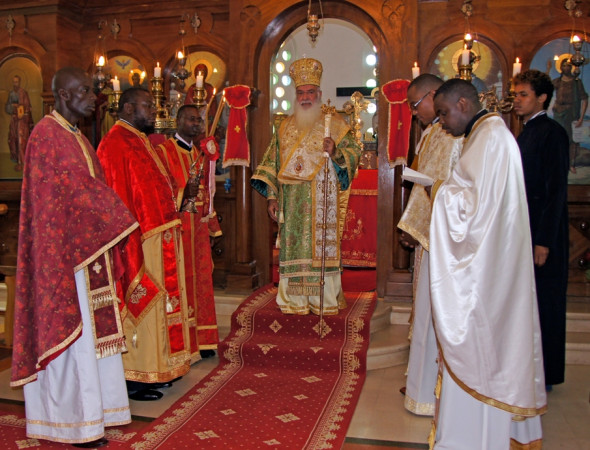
516 67
465 57
327 122
415 70
207 111
157 71
116 84
217 116
199 81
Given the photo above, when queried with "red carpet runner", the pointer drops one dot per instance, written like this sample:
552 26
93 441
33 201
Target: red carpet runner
277 383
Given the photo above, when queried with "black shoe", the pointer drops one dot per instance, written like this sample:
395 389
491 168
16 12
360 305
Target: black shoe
93 444
146 395
167 384
402 390
207 353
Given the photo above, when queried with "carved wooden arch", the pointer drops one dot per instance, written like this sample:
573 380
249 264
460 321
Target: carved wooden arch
134 49
33 49
275 32
502 57
558 34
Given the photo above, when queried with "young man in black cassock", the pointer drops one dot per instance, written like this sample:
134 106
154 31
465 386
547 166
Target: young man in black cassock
545 158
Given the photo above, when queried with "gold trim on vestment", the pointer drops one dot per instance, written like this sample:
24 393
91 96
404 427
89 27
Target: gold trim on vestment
104 297
533 445
419 408
158 377
65 425
160 229
117 424
62 345
107 246
64 441
516 410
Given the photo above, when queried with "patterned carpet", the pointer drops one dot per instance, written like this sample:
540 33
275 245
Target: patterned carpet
277 384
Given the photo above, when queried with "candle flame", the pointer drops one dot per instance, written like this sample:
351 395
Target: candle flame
517 60
415 64
180 55
575 38
101 61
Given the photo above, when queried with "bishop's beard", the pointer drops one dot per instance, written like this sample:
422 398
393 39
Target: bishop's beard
305 119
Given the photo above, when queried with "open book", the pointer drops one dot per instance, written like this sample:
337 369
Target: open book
416 177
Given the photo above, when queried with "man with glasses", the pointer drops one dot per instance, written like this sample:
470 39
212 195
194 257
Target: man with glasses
436 154
153 294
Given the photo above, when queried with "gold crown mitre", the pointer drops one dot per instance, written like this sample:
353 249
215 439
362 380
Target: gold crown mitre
306 71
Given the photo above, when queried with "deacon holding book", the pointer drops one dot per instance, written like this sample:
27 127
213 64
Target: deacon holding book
299 192
436 154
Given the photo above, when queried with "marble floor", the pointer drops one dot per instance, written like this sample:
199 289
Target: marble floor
380 419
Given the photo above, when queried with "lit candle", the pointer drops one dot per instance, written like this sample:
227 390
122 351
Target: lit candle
157 71
199 80
180 55
116 84
327 121
575 38
415 70
100 62
465 57
516 67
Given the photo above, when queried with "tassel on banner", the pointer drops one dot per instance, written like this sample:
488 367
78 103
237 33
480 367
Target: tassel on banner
102 299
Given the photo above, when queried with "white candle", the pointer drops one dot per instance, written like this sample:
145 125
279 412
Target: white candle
516 67
116 84
415 70
465 57
327 121
157 71
199 81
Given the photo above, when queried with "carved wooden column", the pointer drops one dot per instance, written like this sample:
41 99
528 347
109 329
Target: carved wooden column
243 276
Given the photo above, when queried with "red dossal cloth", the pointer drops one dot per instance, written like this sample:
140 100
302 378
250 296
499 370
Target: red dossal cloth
400 120
237 147
359 239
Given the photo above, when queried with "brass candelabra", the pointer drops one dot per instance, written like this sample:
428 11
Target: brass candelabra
164 123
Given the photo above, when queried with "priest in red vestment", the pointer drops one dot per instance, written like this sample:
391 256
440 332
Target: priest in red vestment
194 171
67 328
155 313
